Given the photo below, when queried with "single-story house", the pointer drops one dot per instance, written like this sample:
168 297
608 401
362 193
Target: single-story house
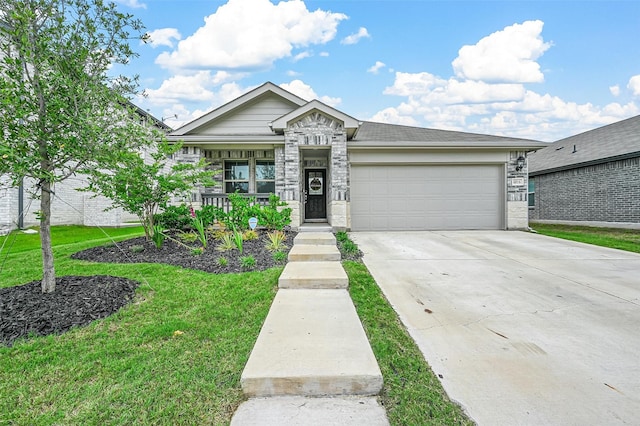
19 204
589 178
358 175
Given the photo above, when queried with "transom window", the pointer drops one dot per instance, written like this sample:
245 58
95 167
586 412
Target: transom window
250 176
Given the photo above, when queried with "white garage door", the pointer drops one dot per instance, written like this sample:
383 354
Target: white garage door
420 197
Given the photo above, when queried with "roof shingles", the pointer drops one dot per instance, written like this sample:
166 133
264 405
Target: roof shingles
608 142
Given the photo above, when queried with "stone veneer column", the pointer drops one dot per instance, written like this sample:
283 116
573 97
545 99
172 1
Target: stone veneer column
316 129
517 205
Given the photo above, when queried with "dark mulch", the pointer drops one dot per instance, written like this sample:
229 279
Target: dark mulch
25 310
138 250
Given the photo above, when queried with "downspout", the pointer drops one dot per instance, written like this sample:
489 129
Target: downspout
21 204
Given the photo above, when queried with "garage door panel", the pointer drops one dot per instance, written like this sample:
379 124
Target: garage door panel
393 197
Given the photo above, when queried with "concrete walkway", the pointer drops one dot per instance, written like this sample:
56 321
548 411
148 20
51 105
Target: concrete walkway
312 363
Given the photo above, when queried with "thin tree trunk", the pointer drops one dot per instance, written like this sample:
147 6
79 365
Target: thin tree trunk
48 272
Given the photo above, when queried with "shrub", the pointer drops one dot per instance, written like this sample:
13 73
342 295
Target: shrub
241 210
279 256
226 243
136 249
210 215
342 236
174 217
248 262
188 237
196 251
237 238
276 241
272 216
250 235
222 261
158 236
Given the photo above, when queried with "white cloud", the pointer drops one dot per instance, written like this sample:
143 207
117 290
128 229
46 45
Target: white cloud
198 87
135 4
252 34
392 116
164 37
376 67
615 90
634 85
355 38
508 55
292 73
302 55
303 90
324 54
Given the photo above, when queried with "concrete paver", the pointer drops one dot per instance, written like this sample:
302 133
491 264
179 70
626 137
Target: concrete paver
314 253
302 411
315 238
312 344
314 275
524 329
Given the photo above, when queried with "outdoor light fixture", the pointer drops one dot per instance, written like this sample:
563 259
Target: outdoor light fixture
520 163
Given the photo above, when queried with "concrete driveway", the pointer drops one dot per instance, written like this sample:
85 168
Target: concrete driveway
521 328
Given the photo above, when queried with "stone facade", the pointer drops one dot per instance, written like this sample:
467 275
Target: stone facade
316 131
606 192
517 185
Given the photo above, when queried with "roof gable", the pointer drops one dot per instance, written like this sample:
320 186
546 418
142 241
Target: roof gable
605 143
249 113
349 123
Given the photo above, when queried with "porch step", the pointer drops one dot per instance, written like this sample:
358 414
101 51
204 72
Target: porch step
315 227
313 275
317 238
311 344
314 253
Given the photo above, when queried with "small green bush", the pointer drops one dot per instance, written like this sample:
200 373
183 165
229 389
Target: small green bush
174 217
136 249
248 262
197 251
158 236
342 236
274 216
188 237
222 261
279 256
276 241
250 235
226 243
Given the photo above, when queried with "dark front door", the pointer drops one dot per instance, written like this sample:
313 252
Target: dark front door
315 206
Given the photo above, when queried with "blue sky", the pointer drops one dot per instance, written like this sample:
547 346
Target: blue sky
535 69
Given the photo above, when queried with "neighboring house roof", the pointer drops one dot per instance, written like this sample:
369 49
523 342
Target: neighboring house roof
608 143
375 135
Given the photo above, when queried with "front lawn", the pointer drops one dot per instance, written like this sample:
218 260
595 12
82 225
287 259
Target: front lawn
175 355
623 239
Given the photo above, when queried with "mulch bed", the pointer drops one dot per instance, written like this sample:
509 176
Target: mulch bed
25 310
138 250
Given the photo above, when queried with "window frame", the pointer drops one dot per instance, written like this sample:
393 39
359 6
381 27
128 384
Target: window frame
226 181
251 180
272 163
531 193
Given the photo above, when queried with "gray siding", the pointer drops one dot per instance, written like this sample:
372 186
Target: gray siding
608 192
253 118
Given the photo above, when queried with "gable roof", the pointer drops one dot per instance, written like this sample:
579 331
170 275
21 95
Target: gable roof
612 142
377 135
350 124
267 87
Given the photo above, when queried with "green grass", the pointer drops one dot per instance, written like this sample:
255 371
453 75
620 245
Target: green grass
412 394
133 368
130 368
622 239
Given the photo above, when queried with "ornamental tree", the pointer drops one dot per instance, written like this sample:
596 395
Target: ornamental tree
144 187
61 112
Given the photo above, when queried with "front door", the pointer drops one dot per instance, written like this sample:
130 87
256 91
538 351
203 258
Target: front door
315 206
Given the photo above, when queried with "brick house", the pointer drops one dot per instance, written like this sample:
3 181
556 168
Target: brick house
590 178
358 175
